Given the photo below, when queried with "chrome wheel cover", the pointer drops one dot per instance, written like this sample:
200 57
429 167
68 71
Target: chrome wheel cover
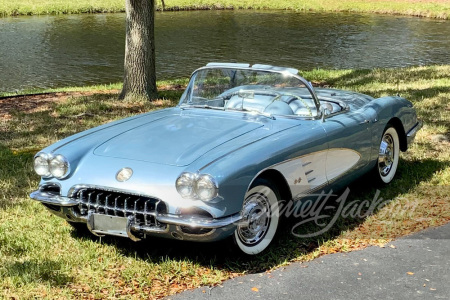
386 155
256 219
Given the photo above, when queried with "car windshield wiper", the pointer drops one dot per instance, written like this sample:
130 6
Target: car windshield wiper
204 106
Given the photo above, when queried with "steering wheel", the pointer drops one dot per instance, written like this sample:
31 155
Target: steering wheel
296 97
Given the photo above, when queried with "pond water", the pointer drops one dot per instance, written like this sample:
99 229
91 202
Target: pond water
75 50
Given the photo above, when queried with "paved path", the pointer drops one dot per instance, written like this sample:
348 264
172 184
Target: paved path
417 268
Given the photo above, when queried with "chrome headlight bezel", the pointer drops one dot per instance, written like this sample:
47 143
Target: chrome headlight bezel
206 187
59 166
197 186
41 164
185 185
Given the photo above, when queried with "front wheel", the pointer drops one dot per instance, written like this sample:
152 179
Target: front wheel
388 155
260 218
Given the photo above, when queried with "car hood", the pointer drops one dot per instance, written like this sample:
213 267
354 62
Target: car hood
176 140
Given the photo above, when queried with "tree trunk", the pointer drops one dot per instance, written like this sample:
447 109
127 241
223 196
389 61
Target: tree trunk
139 65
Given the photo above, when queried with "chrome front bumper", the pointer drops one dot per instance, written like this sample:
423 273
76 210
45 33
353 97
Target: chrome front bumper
217 229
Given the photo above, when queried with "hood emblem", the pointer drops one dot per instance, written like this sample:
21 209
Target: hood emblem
124 174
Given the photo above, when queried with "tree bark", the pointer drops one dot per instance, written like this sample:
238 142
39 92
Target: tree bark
139 65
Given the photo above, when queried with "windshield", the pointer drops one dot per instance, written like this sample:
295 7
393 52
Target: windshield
246 89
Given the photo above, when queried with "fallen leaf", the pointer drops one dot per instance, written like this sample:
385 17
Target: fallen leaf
424 284
410 273
255 289
359 274
203 291
431 289
392 246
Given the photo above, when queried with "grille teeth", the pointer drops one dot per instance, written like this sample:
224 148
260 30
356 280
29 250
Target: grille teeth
144 209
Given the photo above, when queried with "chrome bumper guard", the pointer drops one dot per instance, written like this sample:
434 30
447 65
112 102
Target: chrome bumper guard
412 133
177 220
52 199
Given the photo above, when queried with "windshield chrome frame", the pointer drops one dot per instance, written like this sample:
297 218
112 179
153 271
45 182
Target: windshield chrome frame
262 68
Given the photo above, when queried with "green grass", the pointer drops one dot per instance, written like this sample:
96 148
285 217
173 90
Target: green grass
431 8
42 257
95 88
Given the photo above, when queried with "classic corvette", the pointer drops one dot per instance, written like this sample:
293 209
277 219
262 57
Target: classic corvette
242 139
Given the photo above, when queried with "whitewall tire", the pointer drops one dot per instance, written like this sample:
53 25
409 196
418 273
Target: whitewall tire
260 218
388 155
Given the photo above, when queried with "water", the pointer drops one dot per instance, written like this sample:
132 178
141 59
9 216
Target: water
75 50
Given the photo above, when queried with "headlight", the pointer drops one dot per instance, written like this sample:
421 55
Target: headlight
42 165
193 186
205 187
59 166
185 185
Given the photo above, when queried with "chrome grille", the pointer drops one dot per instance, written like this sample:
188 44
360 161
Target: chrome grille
144 209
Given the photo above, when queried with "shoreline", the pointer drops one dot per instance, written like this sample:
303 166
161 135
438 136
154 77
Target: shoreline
435 9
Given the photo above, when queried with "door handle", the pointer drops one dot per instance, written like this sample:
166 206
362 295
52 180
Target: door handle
367 121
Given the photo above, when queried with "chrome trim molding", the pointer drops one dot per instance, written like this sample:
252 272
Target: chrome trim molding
274 69
325 166
199 222
77 187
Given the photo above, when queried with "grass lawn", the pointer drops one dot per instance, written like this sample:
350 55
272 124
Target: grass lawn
426 8
41 256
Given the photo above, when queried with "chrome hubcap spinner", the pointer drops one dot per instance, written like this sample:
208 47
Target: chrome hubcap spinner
256 219
386 155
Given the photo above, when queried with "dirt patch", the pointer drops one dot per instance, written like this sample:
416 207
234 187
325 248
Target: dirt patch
41 102
38 102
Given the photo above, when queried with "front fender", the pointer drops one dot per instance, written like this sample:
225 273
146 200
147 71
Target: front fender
237 170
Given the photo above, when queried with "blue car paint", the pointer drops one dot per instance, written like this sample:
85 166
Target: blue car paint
234 147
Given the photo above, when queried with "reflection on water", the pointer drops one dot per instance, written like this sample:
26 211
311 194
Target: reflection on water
55 51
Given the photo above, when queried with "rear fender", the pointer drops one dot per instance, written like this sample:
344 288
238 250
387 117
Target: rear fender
394 110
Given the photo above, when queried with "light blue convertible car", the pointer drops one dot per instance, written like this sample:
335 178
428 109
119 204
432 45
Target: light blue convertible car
243 139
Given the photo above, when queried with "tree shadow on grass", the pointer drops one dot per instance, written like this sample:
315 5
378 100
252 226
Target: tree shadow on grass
357 78
32 271
16 175
287 247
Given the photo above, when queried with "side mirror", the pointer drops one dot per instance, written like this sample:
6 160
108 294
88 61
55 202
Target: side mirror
247 94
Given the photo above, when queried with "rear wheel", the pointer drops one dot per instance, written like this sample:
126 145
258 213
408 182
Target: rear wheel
388 155
260 218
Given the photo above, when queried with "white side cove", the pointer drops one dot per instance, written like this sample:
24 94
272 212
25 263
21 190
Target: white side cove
340 161
314 170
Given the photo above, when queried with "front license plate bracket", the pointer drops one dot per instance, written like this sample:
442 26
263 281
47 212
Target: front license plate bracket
107 225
